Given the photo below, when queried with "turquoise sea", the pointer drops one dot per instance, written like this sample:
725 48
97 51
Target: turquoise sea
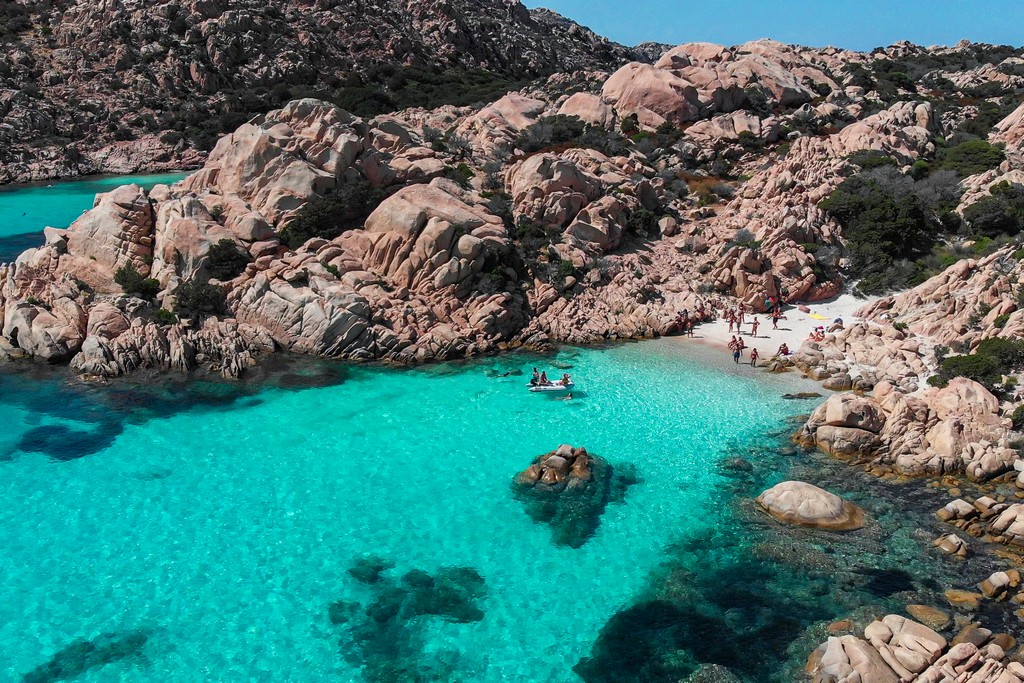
26 209
173 529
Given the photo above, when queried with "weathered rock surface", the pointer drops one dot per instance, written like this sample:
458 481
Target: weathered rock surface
569 489
803 504
896 649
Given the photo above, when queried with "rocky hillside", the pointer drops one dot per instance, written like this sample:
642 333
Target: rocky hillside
123 85
592 206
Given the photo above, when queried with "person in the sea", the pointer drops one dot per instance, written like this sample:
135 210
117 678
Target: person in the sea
535 379
753 357
568 397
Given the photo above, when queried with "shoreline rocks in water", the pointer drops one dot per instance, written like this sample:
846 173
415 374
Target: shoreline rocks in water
568 489
895 649
803 504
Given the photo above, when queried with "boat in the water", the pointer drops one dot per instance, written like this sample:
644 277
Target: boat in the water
556 388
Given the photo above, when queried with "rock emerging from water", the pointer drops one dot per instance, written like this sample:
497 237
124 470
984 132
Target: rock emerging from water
803 504
569 489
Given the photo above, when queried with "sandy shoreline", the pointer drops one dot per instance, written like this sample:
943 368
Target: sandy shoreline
793 328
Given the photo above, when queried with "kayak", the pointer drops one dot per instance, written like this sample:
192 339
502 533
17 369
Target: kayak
552 388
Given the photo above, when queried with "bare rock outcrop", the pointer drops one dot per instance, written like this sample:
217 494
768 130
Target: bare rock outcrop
955 429
803 504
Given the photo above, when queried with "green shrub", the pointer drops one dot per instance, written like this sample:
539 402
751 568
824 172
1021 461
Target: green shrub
566 269
460 174
1001 320
1001 213
883 225
198 297
869 159
326 217
227 260
561 129
164 317
992 359
630 125
969 157
134 284
642 222
1017 416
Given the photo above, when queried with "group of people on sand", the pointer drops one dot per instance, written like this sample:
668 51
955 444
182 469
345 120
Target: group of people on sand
738 346
686 321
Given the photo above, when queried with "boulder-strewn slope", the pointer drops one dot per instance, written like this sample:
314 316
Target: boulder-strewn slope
527 220
124 85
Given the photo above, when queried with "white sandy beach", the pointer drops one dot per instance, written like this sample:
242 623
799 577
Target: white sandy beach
793 328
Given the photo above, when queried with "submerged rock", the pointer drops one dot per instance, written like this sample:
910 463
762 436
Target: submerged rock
385 638
803 504
569 489
83 655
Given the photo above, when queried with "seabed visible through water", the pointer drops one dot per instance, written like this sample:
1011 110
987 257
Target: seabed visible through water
324 521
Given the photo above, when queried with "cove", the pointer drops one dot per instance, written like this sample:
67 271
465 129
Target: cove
358 523
26 209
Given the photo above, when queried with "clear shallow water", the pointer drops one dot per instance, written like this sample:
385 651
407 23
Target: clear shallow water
219 522
26 209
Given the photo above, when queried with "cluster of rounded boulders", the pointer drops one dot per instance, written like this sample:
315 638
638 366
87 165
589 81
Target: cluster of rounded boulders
803 504
895 649
990 518
564 466
951 544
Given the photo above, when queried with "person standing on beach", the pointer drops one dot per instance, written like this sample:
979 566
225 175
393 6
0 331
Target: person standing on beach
736 355
753 358
753 327
776 313
739 316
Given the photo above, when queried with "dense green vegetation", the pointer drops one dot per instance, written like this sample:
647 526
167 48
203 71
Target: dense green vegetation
346 208
380 90
562 130
968 158
890 221
14 19
1002 213
992 359
133 283
198 297
227 260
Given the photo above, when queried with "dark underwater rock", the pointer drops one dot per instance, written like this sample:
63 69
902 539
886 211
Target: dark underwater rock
83 655
368 569
569 490
386 639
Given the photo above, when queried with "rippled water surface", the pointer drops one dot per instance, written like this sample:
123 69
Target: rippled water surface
204 530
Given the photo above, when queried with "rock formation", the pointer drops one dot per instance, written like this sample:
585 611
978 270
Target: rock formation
569 489
129 86
803 504
895 649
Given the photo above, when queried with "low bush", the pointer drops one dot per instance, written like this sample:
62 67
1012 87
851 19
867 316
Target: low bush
129 279
227 260
1001 213
992 359
326 217
197 298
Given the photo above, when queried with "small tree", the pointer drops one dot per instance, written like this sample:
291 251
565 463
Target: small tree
226 260
198 297
344 209
129 279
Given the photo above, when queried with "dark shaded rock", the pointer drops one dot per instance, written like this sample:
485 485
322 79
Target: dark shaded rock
368 569
386 640
63 443
569 490
83 655
342 611
801 396
886 582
